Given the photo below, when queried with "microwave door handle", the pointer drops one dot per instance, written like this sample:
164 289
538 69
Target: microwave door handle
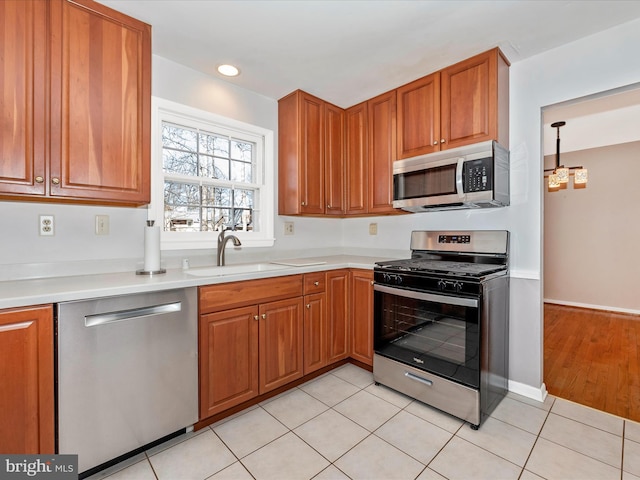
459 183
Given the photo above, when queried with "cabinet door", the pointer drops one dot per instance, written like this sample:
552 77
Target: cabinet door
418 117
26 370
280 343
22 96
337 315
381 112
100 104
334 159
301 173
228 359
470 101
312 154
356 184
315 332
362 316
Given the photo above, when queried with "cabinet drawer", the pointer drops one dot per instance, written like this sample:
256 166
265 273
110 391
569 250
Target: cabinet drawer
314 283
214 298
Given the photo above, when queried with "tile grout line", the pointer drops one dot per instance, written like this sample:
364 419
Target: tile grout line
524 467
624 427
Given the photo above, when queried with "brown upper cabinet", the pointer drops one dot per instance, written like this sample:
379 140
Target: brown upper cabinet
356 159
418 117
332 161
382 149
80 98
462 104
340 162
310 152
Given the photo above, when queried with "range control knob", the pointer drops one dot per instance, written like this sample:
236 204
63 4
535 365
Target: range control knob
457 286
442 284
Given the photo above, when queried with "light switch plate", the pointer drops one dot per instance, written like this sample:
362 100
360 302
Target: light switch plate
373 229
102 224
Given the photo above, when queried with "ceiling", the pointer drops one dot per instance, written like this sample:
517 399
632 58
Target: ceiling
351 50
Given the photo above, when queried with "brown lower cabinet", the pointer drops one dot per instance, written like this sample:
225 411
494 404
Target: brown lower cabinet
26 370
362 316
280 346
337 315
326 319
228 359
259 335
250 336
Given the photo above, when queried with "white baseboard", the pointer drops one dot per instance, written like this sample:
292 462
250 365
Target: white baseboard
593 307
539 394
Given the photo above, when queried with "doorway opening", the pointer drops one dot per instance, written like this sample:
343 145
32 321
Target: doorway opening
590 250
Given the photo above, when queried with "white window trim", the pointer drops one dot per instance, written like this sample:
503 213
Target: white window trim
162 109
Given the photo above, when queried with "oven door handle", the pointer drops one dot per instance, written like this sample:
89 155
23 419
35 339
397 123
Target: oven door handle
429 297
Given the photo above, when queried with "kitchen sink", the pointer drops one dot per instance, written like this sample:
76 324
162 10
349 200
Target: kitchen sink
234 269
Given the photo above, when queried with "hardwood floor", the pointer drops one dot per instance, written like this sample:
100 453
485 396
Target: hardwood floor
592 357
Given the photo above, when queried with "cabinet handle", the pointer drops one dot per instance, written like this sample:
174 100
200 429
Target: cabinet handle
316 283
442 140
436 142
55 181
328 205
264 315
304 204
371 282
39 179
308 305
255 317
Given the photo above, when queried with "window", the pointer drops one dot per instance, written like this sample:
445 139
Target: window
211 172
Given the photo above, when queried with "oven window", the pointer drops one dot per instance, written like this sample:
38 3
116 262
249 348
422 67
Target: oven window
433 336
429 182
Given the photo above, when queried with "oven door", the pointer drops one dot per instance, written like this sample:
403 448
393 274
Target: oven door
436 333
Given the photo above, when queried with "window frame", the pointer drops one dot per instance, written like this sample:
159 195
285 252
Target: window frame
165 110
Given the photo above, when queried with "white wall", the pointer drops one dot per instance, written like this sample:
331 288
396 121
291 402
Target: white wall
590 234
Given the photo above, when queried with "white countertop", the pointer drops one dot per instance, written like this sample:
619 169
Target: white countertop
20 293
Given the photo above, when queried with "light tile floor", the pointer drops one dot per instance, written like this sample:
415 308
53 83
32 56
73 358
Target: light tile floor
342 426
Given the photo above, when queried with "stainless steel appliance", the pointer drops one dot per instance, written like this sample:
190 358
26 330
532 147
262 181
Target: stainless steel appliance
127 373
441 321
472 176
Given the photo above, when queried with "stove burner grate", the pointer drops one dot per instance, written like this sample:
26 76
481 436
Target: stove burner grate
443 267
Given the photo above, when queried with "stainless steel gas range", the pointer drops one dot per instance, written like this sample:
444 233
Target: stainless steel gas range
441 321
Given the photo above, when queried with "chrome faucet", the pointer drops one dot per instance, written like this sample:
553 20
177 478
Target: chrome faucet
222 243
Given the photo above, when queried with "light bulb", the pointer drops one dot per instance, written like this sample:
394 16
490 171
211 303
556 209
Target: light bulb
580 176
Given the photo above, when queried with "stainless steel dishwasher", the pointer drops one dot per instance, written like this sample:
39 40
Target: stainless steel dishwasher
127 373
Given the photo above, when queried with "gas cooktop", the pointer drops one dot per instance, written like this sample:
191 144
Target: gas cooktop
464 269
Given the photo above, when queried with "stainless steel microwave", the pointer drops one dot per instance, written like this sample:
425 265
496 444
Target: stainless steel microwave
472 176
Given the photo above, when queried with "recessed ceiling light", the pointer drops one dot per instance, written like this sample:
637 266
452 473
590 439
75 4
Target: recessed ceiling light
228 70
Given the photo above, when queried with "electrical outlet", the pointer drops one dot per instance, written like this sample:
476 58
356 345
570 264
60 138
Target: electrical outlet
288 228
102 224
373 229
46 226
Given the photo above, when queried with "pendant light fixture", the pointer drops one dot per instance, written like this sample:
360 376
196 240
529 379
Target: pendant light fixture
559 175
